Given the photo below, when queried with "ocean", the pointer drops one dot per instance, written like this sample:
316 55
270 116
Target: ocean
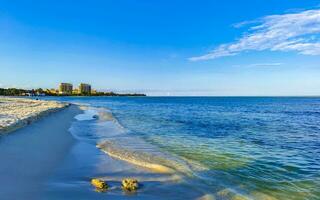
250 147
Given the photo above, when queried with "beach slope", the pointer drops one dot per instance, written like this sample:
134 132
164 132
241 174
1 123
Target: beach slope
18 112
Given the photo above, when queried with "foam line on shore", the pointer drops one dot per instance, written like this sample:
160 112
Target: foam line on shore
134 158
141 178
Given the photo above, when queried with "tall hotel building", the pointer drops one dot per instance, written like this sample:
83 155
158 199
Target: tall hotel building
85 88
65 88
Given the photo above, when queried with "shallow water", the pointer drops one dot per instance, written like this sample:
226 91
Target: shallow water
254 147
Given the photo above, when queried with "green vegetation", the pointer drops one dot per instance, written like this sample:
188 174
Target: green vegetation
12 92
52 92
115 94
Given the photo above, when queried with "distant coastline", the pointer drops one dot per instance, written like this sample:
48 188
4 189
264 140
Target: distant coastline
41 92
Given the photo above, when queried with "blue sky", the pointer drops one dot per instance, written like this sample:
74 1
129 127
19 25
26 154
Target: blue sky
261 47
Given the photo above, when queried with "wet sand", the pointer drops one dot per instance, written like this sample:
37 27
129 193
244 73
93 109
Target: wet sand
29 155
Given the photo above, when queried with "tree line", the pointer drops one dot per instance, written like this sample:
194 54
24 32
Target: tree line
41 92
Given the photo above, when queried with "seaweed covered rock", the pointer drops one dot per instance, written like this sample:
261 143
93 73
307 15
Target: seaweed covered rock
130 184
99 184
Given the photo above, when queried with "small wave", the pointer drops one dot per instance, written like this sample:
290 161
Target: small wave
137 158
156 162
91 113
105 115
116 141
147 178
87 115
89 131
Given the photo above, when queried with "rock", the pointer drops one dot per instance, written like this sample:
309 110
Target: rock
99 184
130 184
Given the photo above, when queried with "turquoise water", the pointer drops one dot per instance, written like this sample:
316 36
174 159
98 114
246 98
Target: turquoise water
260 148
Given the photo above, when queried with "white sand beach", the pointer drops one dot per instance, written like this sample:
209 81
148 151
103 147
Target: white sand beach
18 112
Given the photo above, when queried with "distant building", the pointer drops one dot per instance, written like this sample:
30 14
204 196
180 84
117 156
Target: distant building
94 92
85 88
52 91
65 88
75 91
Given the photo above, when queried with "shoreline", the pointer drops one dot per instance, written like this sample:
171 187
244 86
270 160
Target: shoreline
45 161
16 113
48 160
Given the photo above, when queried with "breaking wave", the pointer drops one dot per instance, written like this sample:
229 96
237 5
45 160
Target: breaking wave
100 126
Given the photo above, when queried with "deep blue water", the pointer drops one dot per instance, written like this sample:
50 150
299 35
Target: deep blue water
261 147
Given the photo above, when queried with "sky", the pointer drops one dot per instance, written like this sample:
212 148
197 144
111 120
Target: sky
167 47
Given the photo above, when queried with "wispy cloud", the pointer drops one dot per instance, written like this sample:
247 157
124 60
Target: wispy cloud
245 23
260 65
265 64
298 32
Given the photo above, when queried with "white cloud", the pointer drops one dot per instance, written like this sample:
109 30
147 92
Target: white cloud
265 64
245 23
260 65
299 32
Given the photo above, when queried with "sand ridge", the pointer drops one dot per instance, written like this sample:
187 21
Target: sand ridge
18 112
